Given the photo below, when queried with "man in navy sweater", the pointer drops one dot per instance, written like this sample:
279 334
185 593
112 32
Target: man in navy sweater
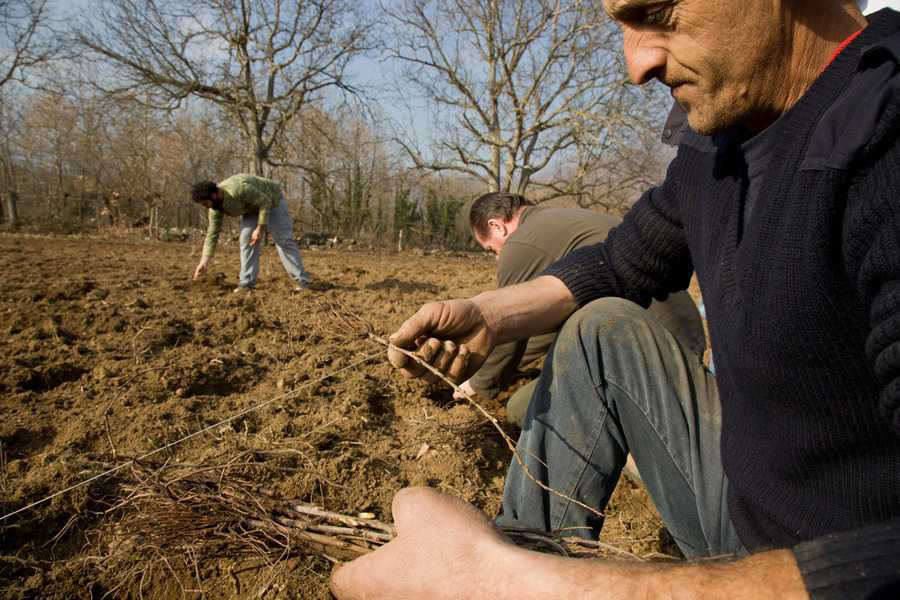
783 199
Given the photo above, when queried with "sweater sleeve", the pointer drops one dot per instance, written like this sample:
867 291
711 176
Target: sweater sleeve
873 254
865 563
645 257
212 231
859 564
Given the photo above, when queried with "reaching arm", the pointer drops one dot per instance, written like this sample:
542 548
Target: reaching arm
209 245
645 257
446 549
213 227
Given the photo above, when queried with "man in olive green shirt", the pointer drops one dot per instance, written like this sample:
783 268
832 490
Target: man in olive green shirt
259 203
526 239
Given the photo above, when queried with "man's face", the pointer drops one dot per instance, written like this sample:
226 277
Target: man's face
722 59
214 202
494 240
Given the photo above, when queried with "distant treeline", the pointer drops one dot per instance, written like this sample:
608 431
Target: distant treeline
110 110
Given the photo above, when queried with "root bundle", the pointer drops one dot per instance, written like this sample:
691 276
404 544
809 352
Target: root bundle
216 512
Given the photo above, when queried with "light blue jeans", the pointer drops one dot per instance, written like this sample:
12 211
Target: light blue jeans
281 226
616 381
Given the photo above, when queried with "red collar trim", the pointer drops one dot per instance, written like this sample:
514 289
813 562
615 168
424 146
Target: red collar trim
841 48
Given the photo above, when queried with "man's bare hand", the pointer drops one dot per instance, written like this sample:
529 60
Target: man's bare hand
452 336
466 387
201 267
258 234
444 549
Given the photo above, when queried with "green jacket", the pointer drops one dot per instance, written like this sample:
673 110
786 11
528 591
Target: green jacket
244 195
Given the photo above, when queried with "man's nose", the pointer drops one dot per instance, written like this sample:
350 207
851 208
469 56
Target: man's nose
645 61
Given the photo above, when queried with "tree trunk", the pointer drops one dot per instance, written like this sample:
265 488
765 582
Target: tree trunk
258 158
11 207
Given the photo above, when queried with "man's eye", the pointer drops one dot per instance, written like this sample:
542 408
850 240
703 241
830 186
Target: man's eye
660 17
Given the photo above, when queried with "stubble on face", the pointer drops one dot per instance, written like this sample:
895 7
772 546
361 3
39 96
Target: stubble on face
721 56
734 50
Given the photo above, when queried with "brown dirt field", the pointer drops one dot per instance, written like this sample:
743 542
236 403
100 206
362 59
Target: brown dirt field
108 351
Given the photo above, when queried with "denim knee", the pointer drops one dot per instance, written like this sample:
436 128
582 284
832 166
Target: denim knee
607 316
608 324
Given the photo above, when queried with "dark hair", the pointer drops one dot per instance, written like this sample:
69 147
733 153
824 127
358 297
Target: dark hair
203 190
495 205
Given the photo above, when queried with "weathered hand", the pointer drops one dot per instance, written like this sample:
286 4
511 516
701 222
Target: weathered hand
452 336
257 235
444 549
201 268
466 387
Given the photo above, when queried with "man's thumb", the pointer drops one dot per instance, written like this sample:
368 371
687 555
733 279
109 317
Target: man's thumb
404 338
340 581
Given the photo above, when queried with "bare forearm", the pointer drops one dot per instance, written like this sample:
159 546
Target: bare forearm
766 575
771 574
521 311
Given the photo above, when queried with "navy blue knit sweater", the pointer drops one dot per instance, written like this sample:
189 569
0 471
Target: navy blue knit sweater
803 304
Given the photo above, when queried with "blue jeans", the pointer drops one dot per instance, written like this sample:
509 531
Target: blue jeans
281 226
616 381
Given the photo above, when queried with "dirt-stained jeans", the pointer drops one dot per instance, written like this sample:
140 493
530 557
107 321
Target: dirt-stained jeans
281 226
617 381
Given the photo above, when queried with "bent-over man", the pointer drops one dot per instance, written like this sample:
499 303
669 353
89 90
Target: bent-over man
526 239
260 204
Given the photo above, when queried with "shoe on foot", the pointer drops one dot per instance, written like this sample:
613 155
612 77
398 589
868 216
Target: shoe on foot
242 289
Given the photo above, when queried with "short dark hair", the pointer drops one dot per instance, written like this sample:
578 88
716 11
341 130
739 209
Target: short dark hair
495 205
203 190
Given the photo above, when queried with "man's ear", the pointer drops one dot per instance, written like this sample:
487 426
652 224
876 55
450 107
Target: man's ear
497 225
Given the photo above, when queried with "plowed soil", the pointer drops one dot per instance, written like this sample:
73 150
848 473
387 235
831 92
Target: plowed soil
108 351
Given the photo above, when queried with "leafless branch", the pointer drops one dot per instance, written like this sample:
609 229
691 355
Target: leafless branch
262 61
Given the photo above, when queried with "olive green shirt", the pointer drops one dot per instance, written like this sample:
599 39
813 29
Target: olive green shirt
544 235
242 195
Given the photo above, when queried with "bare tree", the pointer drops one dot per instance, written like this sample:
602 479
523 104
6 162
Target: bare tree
261 61
24 25
616 159
9 133
515 80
